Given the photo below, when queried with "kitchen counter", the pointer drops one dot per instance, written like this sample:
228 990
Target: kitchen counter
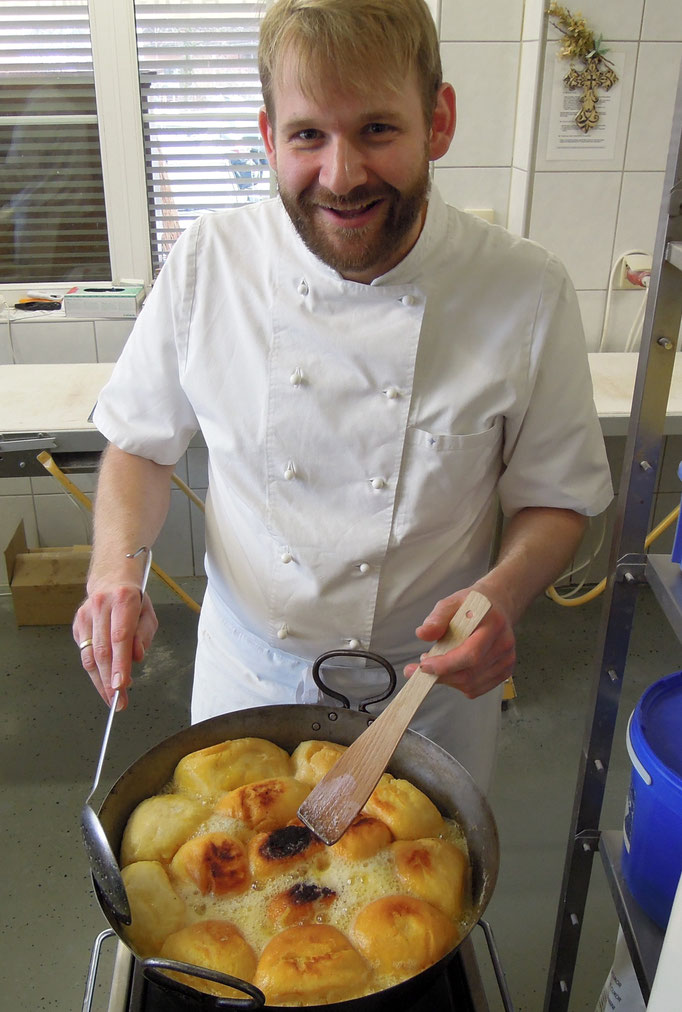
60 398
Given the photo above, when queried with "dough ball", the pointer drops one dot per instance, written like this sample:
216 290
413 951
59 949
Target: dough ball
311 964
155 907
434 870
312 760
291 848
406 810
216 945
265 805
364 838
402 935
212 771
158 826
213 862
301 904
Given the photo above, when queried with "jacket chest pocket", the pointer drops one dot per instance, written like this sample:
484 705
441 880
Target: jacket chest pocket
446 481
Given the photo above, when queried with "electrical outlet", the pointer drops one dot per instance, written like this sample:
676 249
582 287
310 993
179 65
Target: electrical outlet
633 263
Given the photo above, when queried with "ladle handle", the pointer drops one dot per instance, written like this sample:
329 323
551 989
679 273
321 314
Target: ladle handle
117 693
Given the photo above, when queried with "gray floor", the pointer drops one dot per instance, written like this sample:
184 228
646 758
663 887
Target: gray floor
51 732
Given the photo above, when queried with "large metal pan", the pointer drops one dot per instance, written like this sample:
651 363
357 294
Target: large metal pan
416 759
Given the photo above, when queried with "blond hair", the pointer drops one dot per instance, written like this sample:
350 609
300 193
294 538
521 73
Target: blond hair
352 43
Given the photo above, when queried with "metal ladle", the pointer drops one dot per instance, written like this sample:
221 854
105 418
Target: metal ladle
103 864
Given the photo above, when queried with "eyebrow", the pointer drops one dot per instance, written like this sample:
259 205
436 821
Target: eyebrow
371 116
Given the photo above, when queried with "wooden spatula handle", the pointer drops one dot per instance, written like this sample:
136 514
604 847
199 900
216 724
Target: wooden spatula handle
331 806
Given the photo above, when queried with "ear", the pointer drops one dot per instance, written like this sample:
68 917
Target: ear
443 122
268 135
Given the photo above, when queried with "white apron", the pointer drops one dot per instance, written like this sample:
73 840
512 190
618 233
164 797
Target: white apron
235 670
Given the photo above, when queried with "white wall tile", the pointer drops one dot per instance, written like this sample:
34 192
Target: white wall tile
614 19
668 479
638 212
86 482
573 214
173 547
493 21
110 337
592 314
14 508
662 21
624 312
15 486
181 468
197 467
658 68
53 341
60 522
484 76
6 356
475 188
198 537
664 503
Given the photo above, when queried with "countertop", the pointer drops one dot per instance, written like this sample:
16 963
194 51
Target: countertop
58 398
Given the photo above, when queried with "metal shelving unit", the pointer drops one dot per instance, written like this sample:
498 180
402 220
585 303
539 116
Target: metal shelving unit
629 567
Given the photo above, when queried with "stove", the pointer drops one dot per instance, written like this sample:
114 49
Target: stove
459 988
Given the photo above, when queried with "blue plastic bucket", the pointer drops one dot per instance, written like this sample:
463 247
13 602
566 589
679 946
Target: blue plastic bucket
652 828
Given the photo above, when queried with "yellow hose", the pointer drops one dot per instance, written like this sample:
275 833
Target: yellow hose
573 602
48 463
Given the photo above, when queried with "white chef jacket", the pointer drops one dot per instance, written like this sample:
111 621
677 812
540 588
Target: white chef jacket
359 436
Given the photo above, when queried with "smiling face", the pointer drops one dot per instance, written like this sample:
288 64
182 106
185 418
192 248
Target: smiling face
353 167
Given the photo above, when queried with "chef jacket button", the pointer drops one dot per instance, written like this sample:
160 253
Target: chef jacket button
354 644
378 483
282 632
364 567
408 300
296 378
392 393
303 288
286 557
290 471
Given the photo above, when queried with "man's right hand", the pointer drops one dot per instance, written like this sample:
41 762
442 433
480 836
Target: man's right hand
120 623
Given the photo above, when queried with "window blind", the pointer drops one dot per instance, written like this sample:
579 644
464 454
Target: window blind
52 215
200 100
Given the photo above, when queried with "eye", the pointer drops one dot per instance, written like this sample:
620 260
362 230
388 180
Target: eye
307 136
379 129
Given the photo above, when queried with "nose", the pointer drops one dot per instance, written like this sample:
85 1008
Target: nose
343 167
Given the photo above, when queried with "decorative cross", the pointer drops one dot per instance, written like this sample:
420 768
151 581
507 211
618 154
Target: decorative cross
590 80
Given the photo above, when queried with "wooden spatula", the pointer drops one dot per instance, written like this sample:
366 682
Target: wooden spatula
330 807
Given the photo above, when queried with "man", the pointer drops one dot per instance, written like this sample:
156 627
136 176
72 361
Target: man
372 373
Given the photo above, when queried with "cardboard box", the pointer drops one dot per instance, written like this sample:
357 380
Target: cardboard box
103 301
47 584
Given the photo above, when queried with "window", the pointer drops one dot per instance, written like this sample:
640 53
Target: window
200 95
117 130
52 214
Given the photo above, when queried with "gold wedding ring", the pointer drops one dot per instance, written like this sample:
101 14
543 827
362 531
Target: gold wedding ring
85 643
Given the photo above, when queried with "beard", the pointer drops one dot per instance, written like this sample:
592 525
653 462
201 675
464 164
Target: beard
356 250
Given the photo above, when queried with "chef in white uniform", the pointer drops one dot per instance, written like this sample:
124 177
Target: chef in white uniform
374 373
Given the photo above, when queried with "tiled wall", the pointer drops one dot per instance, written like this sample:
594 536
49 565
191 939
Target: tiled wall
587 212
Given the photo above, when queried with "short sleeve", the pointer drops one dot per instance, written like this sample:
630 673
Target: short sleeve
554 453
143 409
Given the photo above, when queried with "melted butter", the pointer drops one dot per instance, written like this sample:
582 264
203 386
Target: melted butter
356 883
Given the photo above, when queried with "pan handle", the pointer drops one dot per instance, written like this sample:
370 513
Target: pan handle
363 704
497 965
154 965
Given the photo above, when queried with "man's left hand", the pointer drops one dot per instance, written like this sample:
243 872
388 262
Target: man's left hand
483 661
